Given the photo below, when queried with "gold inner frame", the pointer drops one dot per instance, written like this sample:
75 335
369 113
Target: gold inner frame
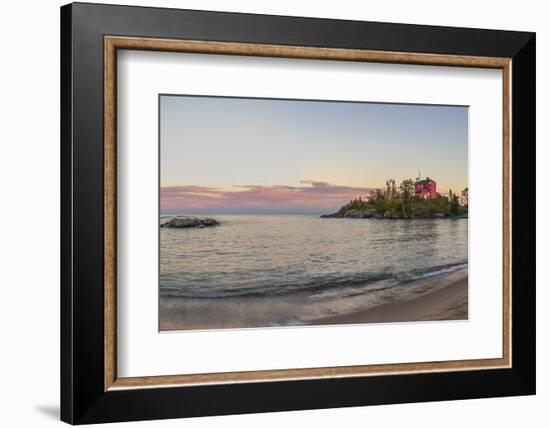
113 43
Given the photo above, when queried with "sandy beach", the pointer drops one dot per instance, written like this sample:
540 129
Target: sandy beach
441 298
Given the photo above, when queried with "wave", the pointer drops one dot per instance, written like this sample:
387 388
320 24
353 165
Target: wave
445 269
329 286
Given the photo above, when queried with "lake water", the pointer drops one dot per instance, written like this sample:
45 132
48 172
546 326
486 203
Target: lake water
303 263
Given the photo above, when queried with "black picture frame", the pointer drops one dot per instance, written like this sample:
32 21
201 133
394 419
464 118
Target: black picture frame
83 398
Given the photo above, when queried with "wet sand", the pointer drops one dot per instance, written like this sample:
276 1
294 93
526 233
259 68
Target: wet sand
445 302
441 297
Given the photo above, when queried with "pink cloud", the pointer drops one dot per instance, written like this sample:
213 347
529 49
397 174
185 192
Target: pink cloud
311 197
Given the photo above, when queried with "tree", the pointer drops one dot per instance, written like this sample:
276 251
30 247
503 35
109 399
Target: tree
455 206
407 188
465 195
400 202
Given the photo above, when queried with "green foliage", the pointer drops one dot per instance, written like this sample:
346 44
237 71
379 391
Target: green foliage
401 202
454 205
407 187
358 204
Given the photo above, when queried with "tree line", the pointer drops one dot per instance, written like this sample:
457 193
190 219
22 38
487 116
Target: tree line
401 202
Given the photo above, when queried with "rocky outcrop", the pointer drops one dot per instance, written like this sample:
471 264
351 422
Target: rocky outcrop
183 222
345 212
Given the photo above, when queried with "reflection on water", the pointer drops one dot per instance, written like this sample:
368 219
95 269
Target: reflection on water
282 255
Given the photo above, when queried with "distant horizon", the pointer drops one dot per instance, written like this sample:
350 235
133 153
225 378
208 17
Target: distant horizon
269 156
188 194
259 213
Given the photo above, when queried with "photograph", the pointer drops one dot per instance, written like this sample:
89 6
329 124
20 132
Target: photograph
269 210
289 212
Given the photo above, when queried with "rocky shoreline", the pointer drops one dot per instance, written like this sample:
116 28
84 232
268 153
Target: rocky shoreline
350 213
184 222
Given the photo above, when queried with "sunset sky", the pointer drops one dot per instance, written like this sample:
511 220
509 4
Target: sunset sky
243 155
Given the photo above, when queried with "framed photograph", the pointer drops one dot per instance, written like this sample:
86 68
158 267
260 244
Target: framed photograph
266 213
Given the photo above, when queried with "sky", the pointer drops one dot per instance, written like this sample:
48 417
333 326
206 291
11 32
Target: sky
250 155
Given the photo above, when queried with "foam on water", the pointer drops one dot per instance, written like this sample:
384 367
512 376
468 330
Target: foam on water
296 267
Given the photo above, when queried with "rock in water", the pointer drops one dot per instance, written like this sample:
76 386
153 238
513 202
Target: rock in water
346 212
185 222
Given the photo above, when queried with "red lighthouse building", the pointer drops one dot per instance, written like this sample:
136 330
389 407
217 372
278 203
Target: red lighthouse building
425 189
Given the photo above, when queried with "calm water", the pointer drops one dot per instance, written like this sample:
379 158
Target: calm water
280 256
